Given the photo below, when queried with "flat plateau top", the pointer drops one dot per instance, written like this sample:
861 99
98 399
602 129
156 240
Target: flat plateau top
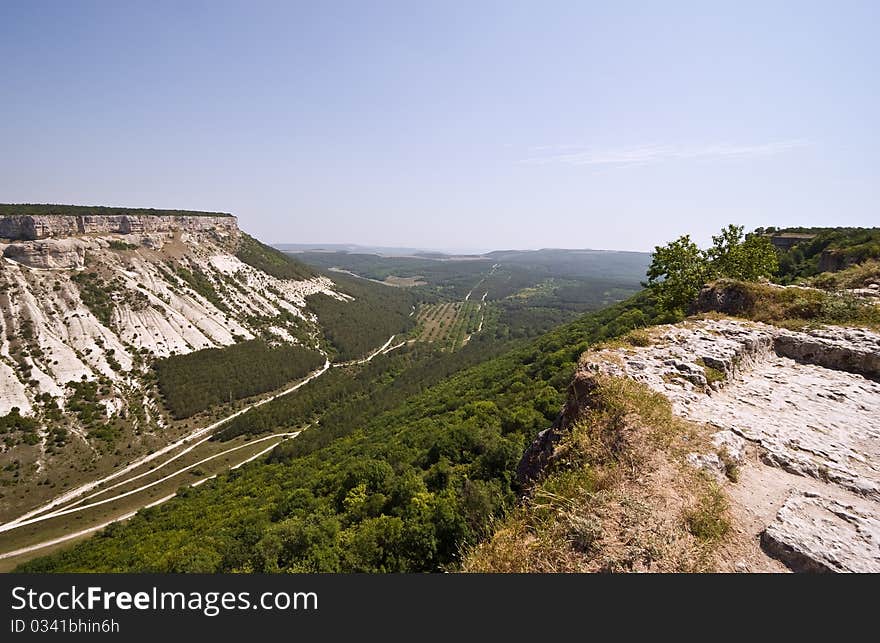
51 209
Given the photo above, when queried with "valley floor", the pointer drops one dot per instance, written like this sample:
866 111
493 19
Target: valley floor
145 482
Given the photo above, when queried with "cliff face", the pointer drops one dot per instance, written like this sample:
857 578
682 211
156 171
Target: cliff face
142 294
31 227
87 303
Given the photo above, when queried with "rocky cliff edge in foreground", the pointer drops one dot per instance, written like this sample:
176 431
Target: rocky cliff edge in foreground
796 414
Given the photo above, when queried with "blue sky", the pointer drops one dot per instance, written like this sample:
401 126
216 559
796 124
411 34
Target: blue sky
452 124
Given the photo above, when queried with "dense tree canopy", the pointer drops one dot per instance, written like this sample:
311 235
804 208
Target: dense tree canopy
680 268
196 381
405 487
361 324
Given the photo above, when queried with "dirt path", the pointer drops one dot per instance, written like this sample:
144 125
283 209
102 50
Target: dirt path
85 488
201 435
64 512
81 532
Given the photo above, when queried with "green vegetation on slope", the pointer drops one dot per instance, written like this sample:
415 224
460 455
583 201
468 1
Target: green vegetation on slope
100 295
38 209
406 490
615 495
831 249
679 269
199 282
193 382
271 261
857 276
355 327
15 423
792 307
341 398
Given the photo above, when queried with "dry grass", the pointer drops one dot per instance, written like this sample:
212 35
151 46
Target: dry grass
637 338
798 308
713 375
707 519
857 276
618 496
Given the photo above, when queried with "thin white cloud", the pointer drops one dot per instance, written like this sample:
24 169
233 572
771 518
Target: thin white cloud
647 154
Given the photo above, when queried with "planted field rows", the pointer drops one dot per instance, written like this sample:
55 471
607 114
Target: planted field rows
450 324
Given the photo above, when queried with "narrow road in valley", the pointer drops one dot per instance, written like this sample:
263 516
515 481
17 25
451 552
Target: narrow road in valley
81 532
84 532
378 351
74 509
85 488
71 501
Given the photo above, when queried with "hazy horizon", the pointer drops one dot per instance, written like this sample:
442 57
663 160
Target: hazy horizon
436 125
461 250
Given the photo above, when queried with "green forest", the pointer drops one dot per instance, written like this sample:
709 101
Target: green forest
406 461
587 279
196 381
830 249
406 486
341 397
356 327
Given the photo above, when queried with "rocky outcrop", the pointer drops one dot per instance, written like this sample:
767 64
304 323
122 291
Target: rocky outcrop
843 349
723 297
99 306
816 534
831 261
806 404
51 253
31 227
87 308
539 453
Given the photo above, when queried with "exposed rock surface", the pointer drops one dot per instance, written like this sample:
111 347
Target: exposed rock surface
814 420
51 253
812 533
539 454
30 227
97 306
49 333
845 349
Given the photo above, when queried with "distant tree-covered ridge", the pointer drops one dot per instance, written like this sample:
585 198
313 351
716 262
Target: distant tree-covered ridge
196 381
43 209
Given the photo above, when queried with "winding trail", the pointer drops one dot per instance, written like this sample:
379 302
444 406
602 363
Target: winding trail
85 488
64 512
378 351
82 532
89 530
202 435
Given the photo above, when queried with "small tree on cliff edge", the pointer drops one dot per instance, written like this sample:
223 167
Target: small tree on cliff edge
679 269
677 272
746 259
